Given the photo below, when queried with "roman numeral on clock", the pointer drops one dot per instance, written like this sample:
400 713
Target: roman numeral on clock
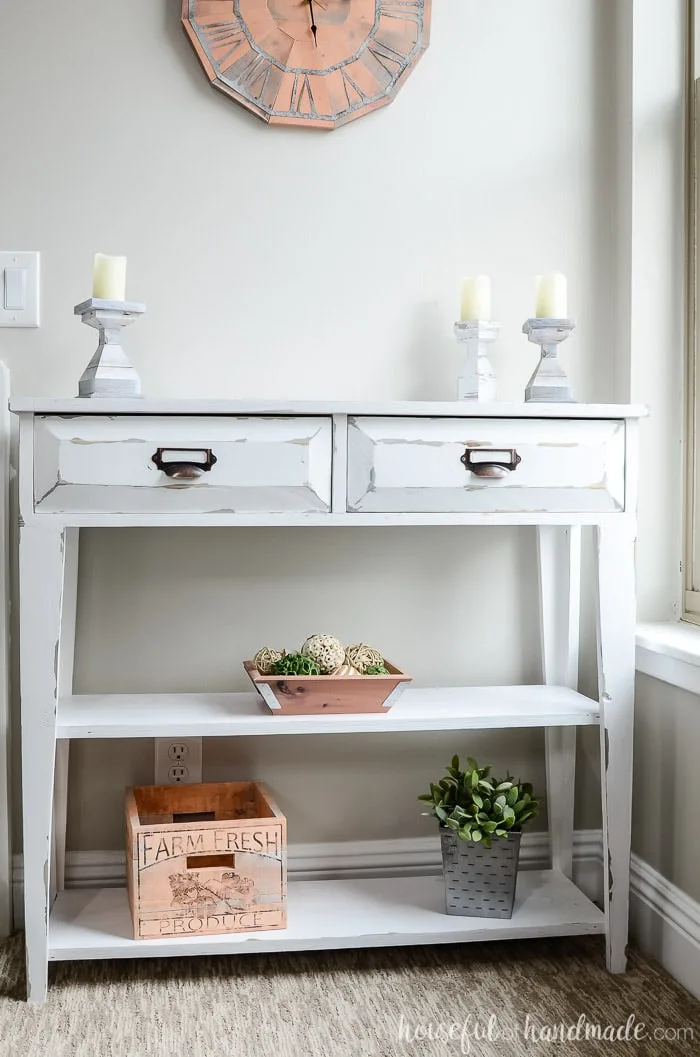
406 10
251 75
392 60
228 35
353 92
302 97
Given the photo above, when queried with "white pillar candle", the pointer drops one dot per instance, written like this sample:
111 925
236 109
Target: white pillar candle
550 296
476 297
109 278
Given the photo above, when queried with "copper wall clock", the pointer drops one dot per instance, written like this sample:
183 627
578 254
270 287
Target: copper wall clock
318 63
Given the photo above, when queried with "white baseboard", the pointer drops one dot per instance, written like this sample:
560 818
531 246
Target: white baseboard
342 859
664 920
666 924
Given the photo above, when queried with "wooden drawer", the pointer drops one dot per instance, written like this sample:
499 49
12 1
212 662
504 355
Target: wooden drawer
416 464
97 464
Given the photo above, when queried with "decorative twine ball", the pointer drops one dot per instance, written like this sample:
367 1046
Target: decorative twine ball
265 658
363 657
326 650
346 671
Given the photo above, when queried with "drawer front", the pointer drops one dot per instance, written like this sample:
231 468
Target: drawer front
98 464
414 465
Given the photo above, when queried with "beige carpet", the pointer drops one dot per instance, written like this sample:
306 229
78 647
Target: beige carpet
342 1004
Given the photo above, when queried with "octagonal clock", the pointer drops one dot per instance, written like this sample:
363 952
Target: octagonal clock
315 63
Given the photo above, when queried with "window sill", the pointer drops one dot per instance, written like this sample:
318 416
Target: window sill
670 651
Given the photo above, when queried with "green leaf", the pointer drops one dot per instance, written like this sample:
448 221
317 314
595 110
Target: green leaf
472 765
508 814
477 800
455 763
512 797
427 797
500 801
475 779
488 827
476 835
451 823
503 786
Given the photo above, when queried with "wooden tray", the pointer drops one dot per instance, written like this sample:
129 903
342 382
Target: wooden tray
313 695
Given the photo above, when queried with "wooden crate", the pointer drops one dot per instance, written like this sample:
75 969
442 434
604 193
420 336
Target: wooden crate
204 859
312 695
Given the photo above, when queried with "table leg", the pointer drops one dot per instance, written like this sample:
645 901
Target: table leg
41 557
65 686
559 562
616 666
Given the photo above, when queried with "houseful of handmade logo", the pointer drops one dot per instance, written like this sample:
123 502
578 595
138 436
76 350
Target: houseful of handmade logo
463 1036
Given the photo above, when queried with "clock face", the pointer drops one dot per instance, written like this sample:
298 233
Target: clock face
318 63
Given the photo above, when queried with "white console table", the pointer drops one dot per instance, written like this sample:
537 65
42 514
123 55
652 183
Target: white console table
112 462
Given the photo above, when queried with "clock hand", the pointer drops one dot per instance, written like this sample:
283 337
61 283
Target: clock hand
314 27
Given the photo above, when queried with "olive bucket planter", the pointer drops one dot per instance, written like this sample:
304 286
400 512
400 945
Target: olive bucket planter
479 881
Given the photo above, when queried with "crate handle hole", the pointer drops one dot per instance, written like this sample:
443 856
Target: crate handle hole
195 862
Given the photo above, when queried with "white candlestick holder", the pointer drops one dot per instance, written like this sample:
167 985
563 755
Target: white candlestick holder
476 380
549 383
109 372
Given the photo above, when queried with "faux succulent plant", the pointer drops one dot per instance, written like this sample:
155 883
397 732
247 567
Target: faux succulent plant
478 807
295 664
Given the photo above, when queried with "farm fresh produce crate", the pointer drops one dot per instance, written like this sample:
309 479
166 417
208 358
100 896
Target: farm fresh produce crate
204 859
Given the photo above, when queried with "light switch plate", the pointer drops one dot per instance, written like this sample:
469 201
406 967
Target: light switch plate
15 288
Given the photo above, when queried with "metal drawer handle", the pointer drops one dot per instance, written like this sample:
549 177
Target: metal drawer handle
489 464
184 469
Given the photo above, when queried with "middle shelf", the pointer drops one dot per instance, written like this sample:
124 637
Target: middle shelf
225 715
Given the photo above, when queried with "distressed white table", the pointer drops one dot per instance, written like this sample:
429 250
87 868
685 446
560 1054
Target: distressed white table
120 462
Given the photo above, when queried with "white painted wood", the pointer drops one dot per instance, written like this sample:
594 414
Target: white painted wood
331 915
476 379
65 687
559 562
41 557
419 709
616 654
124 519
440 408
96 463
665 922
109 372
409 464
5 798
548 383
563 445
340 464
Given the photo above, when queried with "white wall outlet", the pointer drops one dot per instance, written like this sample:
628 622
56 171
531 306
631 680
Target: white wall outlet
178 761
19 289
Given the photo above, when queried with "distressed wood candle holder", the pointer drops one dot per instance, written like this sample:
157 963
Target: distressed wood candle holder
549 383
476 380
109 372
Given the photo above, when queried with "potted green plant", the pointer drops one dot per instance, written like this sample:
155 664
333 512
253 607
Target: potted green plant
481 822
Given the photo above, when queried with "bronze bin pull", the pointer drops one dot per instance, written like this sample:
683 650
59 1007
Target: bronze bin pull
491 462
181 468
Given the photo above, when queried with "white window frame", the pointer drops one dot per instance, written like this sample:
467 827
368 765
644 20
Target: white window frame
691 563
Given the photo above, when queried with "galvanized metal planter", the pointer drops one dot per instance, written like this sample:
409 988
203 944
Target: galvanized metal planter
479 881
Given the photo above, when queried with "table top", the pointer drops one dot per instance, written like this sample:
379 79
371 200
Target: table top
436 408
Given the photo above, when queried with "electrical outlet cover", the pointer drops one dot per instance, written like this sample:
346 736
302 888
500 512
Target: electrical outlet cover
177 755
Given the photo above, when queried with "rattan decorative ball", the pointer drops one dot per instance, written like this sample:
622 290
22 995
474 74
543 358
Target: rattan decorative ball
362 657
326 650
265 658
346 671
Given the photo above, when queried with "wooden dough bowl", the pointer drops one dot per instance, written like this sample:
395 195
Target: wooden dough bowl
313 695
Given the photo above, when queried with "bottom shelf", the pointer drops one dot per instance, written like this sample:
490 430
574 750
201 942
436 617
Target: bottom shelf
330 915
